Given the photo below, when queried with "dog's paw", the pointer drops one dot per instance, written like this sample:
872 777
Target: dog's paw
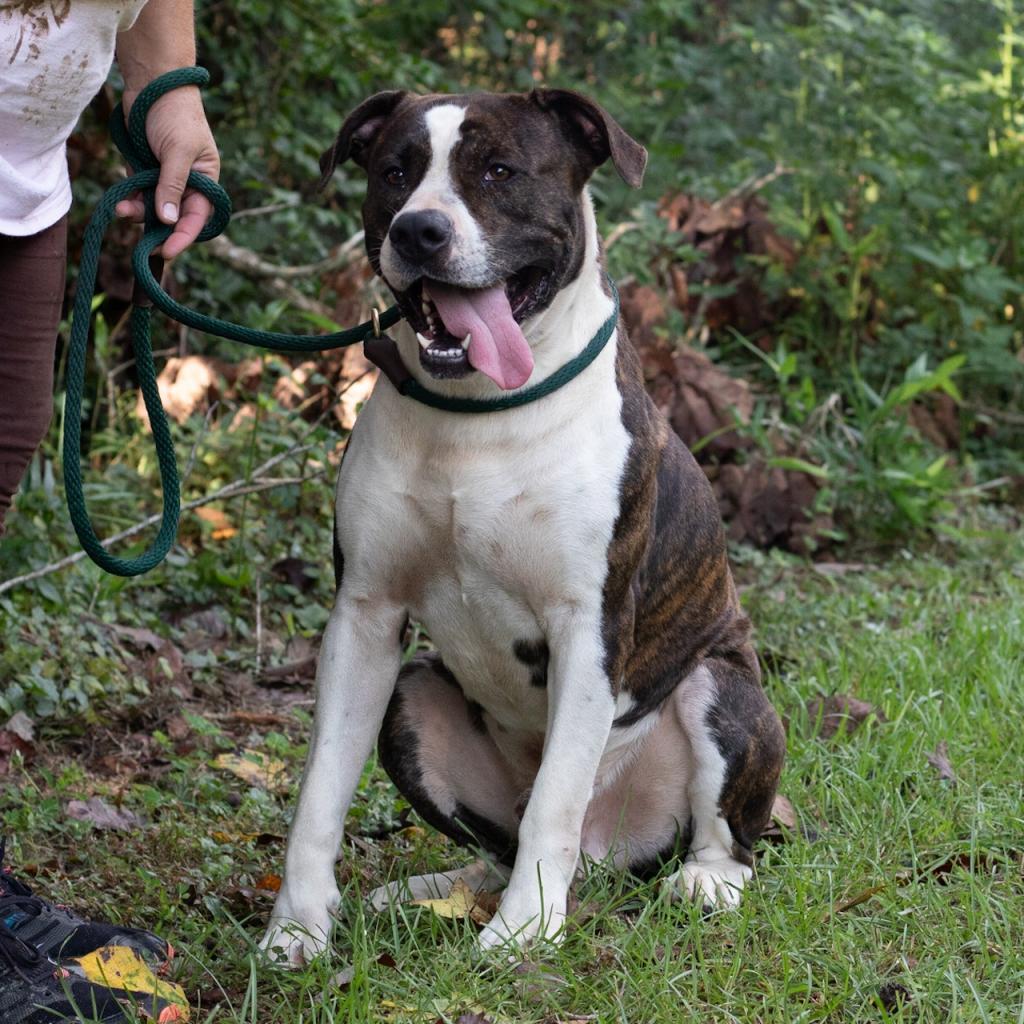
715 884
514 929
299 931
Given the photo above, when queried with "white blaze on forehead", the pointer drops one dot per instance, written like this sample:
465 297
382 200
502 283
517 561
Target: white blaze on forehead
468 257
444 124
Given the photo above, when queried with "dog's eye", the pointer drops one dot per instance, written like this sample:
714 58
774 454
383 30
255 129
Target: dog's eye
395 176
498 172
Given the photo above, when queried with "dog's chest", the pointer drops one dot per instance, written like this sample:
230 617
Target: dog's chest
487 533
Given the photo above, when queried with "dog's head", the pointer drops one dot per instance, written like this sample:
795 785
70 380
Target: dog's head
474 212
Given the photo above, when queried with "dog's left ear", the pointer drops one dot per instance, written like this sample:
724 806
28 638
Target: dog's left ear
358 132
600 135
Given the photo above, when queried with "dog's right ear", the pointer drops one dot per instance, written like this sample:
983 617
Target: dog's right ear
358 131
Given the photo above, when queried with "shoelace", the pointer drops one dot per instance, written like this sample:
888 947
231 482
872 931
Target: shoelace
17 954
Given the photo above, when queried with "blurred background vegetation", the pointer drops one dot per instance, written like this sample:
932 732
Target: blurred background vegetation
823 272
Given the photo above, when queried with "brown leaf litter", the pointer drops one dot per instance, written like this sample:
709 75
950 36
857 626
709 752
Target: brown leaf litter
939 760
100 814
766 505
840 712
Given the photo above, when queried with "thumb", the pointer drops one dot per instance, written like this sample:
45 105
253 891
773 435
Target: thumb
173 178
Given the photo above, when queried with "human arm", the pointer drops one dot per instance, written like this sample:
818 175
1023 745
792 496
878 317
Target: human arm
163 39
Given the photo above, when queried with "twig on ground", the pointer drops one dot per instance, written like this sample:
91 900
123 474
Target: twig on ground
291 668
259 623
251 263
263 211
235 489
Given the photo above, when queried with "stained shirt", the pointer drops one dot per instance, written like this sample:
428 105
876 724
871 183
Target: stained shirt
54 57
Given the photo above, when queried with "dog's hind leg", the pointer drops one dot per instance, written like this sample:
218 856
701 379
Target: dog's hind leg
478 876
737 747
437 749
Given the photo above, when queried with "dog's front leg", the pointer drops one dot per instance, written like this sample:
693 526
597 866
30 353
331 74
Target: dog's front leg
359 661
580 713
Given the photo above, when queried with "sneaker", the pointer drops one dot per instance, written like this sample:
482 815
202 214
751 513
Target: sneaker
34 990
130 978
59 933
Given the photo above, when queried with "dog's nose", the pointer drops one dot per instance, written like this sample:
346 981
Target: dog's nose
421 234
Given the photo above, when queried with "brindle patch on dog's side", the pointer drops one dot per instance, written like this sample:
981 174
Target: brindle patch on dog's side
668 597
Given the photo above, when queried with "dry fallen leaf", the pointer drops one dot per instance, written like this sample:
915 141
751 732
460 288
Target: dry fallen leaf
939 760
17 737
344 977
22 726
137 635
186 385
840 712
207 621
892 995
461 902
256 768
123 968
99 813
783 812
220 525
861 897
538 983
782 821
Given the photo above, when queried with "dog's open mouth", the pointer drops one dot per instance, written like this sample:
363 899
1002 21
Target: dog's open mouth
466 329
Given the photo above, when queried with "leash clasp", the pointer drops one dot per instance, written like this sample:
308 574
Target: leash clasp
375 319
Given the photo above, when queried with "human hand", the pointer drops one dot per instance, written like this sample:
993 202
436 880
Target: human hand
181 140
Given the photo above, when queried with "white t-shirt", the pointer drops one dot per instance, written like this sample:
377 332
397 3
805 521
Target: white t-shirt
54 57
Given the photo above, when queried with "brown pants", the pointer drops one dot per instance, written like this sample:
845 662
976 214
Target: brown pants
31 296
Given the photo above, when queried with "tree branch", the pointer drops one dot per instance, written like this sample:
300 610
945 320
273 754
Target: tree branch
251 263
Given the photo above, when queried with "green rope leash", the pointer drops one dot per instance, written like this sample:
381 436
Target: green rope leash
131 140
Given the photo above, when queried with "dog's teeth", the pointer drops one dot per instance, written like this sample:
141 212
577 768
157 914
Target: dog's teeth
424 342
426 308
465 341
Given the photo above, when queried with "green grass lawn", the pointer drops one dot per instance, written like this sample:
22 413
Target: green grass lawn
900 897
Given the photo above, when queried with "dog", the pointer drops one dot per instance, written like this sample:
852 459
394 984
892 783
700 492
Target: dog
594 688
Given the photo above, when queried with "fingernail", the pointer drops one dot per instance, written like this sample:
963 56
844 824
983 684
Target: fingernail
170 211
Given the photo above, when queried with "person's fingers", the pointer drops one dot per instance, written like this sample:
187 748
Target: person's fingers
132 208
174 168
195 211
181 142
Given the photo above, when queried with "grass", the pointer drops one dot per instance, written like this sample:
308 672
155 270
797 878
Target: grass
900 898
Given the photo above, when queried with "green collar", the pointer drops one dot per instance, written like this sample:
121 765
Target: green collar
382 351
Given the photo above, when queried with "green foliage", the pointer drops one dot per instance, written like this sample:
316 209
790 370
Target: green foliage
900 128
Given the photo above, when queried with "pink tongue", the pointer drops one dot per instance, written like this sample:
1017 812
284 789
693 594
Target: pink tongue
497 346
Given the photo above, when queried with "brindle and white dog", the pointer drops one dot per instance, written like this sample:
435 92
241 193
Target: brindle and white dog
594 688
